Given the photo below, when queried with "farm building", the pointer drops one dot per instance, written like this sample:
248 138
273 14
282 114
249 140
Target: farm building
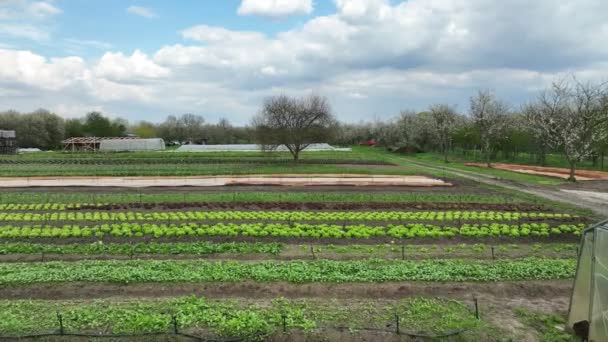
8 142
109 144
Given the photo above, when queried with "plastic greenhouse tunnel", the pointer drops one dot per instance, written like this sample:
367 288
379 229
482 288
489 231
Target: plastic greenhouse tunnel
588 314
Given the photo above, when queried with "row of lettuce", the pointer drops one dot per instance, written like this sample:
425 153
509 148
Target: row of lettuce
283 216
293 230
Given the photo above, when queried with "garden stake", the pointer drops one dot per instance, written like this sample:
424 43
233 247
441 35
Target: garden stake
493 257
174 321
397 324
476 308
284 320
61 331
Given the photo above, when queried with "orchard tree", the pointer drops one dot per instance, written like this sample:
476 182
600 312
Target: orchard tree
293 122
444 118
572 116
489 115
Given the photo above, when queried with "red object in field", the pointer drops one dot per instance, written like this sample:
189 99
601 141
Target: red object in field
368 143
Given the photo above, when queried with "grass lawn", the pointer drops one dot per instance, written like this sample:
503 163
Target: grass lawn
437 160
552 160
361 160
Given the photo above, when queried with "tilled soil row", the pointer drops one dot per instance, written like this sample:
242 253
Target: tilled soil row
521 207
497 240
40 257
252 289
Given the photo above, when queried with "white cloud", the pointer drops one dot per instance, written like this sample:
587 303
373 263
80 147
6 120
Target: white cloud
275 8
220 35
27 68
88 43
23 19
369 57
24 31
42 9
118 67
142 11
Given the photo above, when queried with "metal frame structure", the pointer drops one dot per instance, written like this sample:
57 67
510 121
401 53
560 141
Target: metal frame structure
87 144
8 142
588 311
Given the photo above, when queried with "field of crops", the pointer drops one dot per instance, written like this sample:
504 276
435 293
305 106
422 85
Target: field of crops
269 264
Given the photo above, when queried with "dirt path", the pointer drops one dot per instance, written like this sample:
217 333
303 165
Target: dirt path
576 198
251 289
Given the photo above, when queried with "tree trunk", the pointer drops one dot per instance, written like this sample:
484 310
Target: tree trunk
489 164
602 160
572 177
296 155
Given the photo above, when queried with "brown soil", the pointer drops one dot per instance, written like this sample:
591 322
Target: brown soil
546 171
515 207
294 252
255 290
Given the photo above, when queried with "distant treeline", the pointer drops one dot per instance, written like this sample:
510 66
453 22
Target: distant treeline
569 117
45 130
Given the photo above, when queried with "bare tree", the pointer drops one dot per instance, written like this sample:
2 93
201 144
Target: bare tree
294 122
444 122
489 114
573 117
192 126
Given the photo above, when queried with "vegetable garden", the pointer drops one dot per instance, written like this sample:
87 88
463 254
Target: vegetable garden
251 264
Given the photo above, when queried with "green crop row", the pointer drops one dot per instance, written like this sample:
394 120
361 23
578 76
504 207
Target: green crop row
14 200
282 216
196 248
157 271
295 230
231 318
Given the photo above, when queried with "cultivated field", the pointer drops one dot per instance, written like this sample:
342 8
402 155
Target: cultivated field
298 263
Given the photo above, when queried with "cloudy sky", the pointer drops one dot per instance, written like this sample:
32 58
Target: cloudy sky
150 58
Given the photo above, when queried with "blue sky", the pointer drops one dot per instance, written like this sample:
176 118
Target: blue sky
144 60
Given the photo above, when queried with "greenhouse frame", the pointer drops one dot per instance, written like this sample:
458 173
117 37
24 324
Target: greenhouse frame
588 313
112 144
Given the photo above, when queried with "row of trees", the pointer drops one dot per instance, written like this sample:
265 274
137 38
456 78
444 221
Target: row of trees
46 130
570 117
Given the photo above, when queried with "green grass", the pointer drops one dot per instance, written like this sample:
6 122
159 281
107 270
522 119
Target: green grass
167 271
164 163
552 160
437 160
171 169
358 153
545 325
235 318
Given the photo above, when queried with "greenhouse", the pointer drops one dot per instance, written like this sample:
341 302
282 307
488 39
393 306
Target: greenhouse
588 314
119 145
